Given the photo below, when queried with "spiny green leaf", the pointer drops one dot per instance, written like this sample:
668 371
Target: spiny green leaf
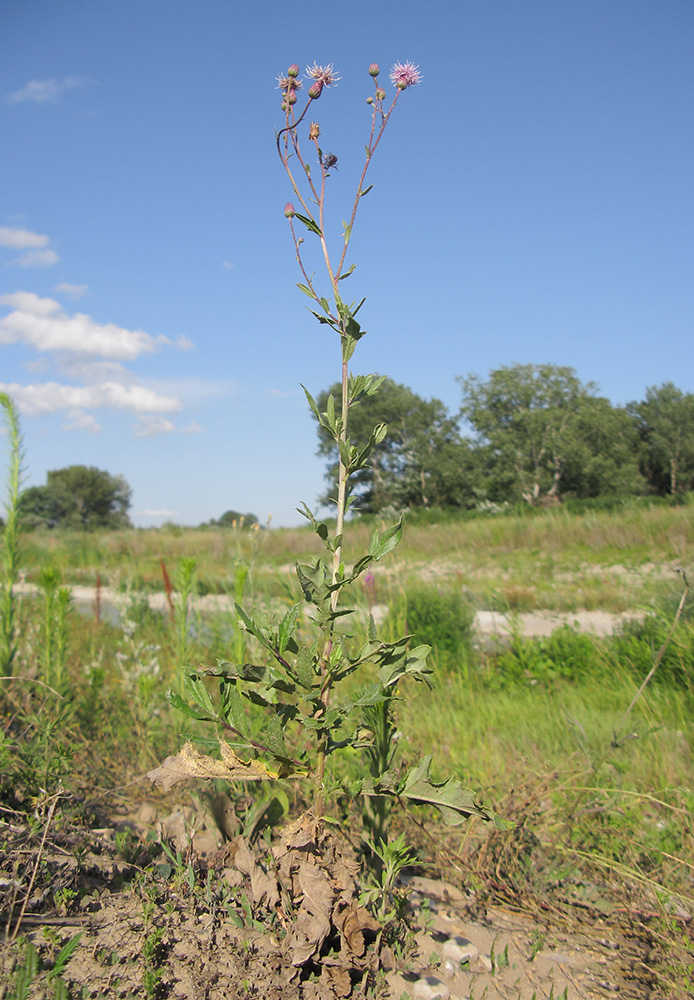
194 687
454 802
180 705
286 628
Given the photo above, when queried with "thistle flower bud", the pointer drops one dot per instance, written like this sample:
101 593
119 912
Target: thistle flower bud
313 130
293 70
315 90
380 94
374 69
289 210
369 100
291 97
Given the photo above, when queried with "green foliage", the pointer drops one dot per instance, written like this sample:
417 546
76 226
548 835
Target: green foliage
665 422
78 497
638 642
57 611
544 433
565 654
439 617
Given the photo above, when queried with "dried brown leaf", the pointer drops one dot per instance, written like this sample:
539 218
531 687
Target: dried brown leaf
190 763
352 920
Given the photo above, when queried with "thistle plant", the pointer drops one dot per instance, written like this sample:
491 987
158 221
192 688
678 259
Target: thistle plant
286 715
9 548
55 632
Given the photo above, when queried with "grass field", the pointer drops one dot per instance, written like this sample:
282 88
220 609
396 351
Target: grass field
593 778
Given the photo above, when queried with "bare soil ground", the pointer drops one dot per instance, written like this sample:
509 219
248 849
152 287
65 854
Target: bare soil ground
198 928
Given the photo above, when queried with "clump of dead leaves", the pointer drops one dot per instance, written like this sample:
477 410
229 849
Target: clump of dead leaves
309 881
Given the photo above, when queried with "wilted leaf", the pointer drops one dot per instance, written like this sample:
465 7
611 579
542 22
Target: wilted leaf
351 920
313 919
190 763
263 885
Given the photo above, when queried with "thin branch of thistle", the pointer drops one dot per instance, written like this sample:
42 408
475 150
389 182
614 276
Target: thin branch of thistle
656 662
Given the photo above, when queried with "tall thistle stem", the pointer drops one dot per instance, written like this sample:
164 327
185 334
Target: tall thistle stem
335 312
9 552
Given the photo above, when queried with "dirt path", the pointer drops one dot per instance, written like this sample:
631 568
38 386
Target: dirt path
488 624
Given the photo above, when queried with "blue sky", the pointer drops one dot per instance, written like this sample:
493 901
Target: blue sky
532 202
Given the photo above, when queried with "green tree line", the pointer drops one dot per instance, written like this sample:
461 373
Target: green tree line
526 433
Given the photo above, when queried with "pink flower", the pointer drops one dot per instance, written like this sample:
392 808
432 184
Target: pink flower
324 75
293 70
288 83
374 69
315 90
289 210
405 75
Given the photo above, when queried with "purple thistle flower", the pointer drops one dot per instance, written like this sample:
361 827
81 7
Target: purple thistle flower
315 90
287 83
325 75
405 75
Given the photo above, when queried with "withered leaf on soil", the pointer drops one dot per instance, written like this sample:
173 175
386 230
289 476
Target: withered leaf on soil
351 920
263 884
190 763
313 919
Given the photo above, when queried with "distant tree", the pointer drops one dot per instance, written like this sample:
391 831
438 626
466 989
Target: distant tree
542 432
604 457
233 519
80 497
665 424
423 462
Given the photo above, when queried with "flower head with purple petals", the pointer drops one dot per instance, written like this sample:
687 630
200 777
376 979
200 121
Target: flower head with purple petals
324 75
405 75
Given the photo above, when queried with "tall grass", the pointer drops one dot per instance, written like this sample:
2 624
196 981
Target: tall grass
609 560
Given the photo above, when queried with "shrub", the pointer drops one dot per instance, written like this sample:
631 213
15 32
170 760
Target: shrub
439 618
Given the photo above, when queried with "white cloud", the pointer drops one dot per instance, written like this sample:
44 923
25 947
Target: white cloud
78 420
41 398
44 91
192 428
74 291
150 426
41 323
37 258
21 239
183 343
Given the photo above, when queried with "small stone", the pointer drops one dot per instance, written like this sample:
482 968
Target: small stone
430 988
458 950
486 963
